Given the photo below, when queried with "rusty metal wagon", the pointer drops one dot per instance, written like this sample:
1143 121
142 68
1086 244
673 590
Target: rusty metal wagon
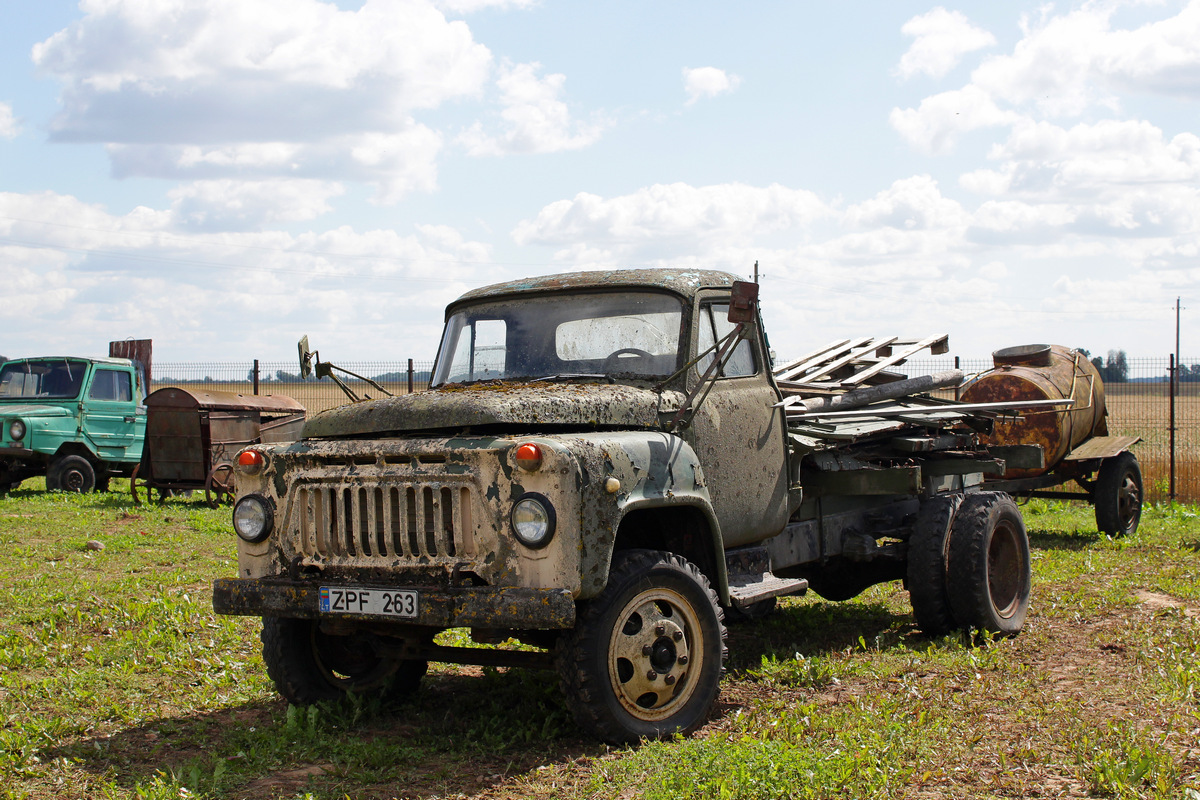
192 438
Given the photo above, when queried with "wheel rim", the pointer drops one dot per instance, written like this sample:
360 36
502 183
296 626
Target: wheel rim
72 480
654 648
1005 570
1128 501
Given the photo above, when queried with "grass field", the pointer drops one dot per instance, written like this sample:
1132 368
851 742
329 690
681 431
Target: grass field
118 681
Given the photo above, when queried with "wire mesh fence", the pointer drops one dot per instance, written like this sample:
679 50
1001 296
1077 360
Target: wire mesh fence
282 378
1139 404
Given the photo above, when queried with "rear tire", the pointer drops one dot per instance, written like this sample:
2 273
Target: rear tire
1118 495
988 566
645 657
309 666
71 474
926 578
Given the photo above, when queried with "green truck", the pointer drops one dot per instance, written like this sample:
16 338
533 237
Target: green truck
607 467
78 421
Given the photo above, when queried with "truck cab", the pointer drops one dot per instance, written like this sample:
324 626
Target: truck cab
78 421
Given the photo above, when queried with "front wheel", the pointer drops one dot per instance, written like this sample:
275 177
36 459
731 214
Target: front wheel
1118 495
988 572
71 474
646 656
308 665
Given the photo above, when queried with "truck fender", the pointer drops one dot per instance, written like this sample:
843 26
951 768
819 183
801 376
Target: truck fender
662 487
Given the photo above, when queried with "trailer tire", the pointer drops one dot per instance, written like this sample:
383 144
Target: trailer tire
309 666
657 616
71 474
988 567
1118 495
926 577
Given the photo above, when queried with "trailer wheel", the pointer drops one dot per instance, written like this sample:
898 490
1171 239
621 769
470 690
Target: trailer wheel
645 657
927 590
988 568
1118 495
308 665
71 474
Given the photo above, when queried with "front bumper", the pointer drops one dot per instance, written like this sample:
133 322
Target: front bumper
512 608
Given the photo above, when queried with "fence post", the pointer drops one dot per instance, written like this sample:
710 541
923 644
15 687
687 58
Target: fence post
957 389
256 376
410 376
1173 371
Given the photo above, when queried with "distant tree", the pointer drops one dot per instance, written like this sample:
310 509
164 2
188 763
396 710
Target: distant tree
1086 353
1118 367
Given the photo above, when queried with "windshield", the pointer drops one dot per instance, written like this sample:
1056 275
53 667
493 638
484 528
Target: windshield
615 334
44 379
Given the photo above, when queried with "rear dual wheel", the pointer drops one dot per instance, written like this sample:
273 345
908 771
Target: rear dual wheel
969 566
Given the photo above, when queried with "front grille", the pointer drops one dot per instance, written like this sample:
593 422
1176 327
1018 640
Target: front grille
419 522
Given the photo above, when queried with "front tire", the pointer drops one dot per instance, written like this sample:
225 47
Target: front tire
71 474
309 666
646 656
1118 495
988 566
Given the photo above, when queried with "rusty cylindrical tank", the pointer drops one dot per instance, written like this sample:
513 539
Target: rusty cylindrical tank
1042 372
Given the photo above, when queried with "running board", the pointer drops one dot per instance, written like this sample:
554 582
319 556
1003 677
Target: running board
746 589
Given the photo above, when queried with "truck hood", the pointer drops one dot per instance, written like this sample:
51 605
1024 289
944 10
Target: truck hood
525 404
33 410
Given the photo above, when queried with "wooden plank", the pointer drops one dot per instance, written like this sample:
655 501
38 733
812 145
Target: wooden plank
815 362
821 351
858 354
896 358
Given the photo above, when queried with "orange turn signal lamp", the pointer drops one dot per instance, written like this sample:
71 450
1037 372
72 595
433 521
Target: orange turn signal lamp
529 457
250 461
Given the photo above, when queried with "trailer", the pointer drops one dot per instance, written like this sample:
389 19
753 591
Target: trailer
192 438
1075 443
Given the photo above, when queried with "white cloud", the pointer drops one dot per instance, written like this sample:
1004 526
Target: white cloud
940 39
136 274
471 6
936 124
913 203
274 88
1064 65
8 123
534 119
676 216
249 205
703 82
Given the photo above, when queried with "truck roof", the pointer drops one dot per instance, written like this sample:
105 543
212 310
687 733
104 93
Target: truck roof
118 362
681 281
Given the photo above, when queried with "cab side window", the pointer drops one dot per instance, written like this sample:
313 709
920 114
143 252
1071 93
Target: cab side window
714 325
109 384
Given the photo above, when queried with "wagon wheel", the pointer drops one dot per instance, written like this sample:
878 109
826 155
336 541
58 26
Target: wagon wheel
219 486
133 486
144 491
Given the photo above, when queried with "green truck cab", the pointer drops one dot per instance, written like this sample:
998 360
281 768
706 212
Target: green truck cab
78 421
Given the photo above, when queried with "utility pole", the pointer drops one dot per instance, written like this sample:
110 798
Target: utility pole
756 272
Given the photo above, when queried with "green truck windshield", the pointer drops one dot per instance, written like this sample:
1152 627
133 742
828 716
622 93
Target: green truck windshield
617 334
43 379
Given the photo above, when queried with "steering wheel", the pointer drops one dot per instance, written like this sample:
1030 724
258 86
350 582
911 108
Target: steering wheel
611 360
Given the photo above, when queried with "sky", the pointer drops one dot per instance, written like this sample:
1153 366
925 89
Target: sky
224 176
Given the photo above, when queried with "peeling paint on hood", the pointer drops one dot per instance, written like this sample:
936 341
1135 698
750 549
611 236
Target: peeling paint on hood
457 406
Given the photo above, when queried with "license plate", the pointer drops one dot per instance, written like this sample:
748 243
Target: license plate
376 602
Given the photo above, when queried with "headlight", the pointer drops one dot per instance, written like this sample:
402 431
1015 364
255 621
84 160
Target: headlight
16 430
253 518
533 520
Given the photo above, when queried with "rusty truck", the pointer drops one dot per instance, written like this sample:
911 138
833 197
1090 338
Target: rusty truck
604 467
